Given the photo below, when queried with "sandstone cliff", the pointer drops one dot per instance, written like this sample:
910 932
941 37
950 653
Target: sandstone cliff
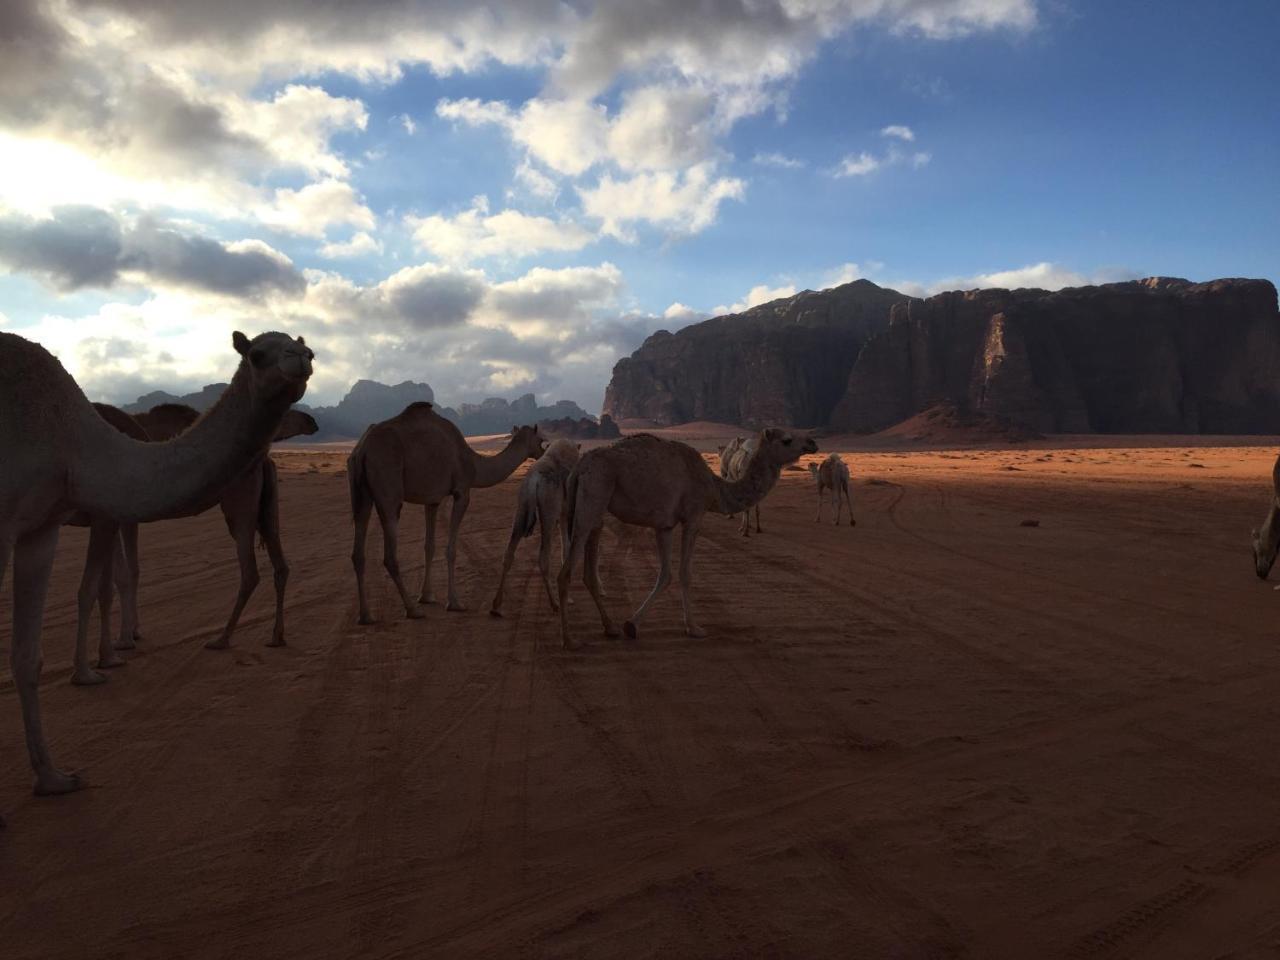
1160 355
784 362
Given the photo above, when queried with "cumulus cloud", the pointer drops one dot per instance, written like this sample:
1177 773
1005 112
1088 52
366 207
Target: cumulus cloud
475 234
684 202
780 160
899 132
82 247
760 293
864 163
1044 276
859 166
312 210
361 244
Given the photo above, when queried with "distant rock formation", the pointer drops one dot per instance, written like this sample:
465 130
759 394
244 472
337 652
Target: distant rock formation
783 362
1161 355
584 428
370 402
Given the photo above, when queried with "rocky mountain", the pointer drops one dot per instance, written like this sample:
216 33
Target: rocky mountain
1161 355
787 361
369 401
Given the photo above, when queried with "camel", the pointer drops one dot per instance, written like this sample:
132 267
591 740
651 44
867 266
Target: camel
420 457
540 500
733 465
60 456
658 483
1266 542
833 475
251 504
123 540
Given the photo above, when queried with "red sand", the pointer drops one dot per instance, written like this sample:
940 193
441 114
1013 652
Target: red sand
936 734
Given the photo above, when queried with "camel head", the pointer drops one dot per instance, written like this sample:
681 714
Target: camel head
1265 545
278 364
296 424
780 447
530 440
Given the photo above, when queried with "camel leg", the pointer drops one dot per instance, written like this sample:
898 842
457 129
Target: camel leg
544 561
460 501
688 537
571 557
101 546
106 597
591 577
835 502
242 529
280 576
495 608
818 518
564 548
427 595
362 514
32 563
391 558
630 628
745 528
126 572
852 522
758 530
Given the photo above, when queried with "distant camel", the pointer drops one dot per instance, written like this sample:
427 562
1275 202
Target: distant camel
833 475
651 482
123 569
250 504
60 456
1267 541
733 466
540 502
420 457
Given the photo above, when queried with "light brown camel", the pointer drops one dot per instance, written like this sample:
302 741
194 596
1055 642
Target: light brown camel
658 483
1266 542
420 457
833 474
123 539
540 501
733 466
60 456
251 504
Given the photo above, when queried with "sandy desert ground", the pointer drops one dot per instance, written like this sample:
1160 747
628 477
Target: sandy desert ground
938 734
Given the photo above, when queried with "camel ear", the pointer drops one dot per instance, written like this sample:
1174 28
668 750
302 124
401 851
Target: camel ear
241 343
302 342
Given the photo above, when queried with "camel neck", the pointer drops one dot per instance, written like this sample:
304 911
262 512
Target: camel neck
135 481
493 470
753 486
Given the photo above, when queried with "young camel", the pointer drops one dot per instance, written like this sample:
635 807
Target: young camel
833 475
658 483
540 501
1266 542
420 457
60 456
733 466
251 504
124 570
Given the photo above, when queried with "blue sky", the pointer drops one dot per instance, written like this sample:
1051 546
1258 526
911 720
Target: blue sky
505 198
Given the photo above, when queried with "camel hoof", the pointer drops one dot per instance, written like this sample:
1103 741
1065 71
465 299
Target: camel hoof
111 662
569 643
88 678
456 608
853 523
695 632
415 614
425 600
221 643
364 620
629 629
51 783
276 642
497 614
126 643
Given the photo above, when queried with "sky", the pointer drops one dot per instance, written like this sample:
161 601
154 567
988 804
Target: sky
501 198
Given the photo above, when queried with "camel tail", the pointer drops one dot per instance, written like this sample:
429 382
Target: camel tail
527 510
356 480
571 502
813 468
1275 477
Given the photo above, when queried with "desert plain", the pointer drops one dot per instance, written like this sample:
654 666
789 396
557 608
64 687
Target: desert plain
941 733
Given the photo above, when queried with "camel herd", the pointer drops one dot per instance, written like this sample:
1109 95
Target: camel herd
66 461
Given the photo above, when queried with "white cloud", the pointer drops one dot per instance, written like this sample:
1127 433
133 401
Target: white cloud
296 126
359 245
780 160
682 203
406 121
899 131
1044 276
568 136
664 128
761 293
476 234
859 166
920 159
315 208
